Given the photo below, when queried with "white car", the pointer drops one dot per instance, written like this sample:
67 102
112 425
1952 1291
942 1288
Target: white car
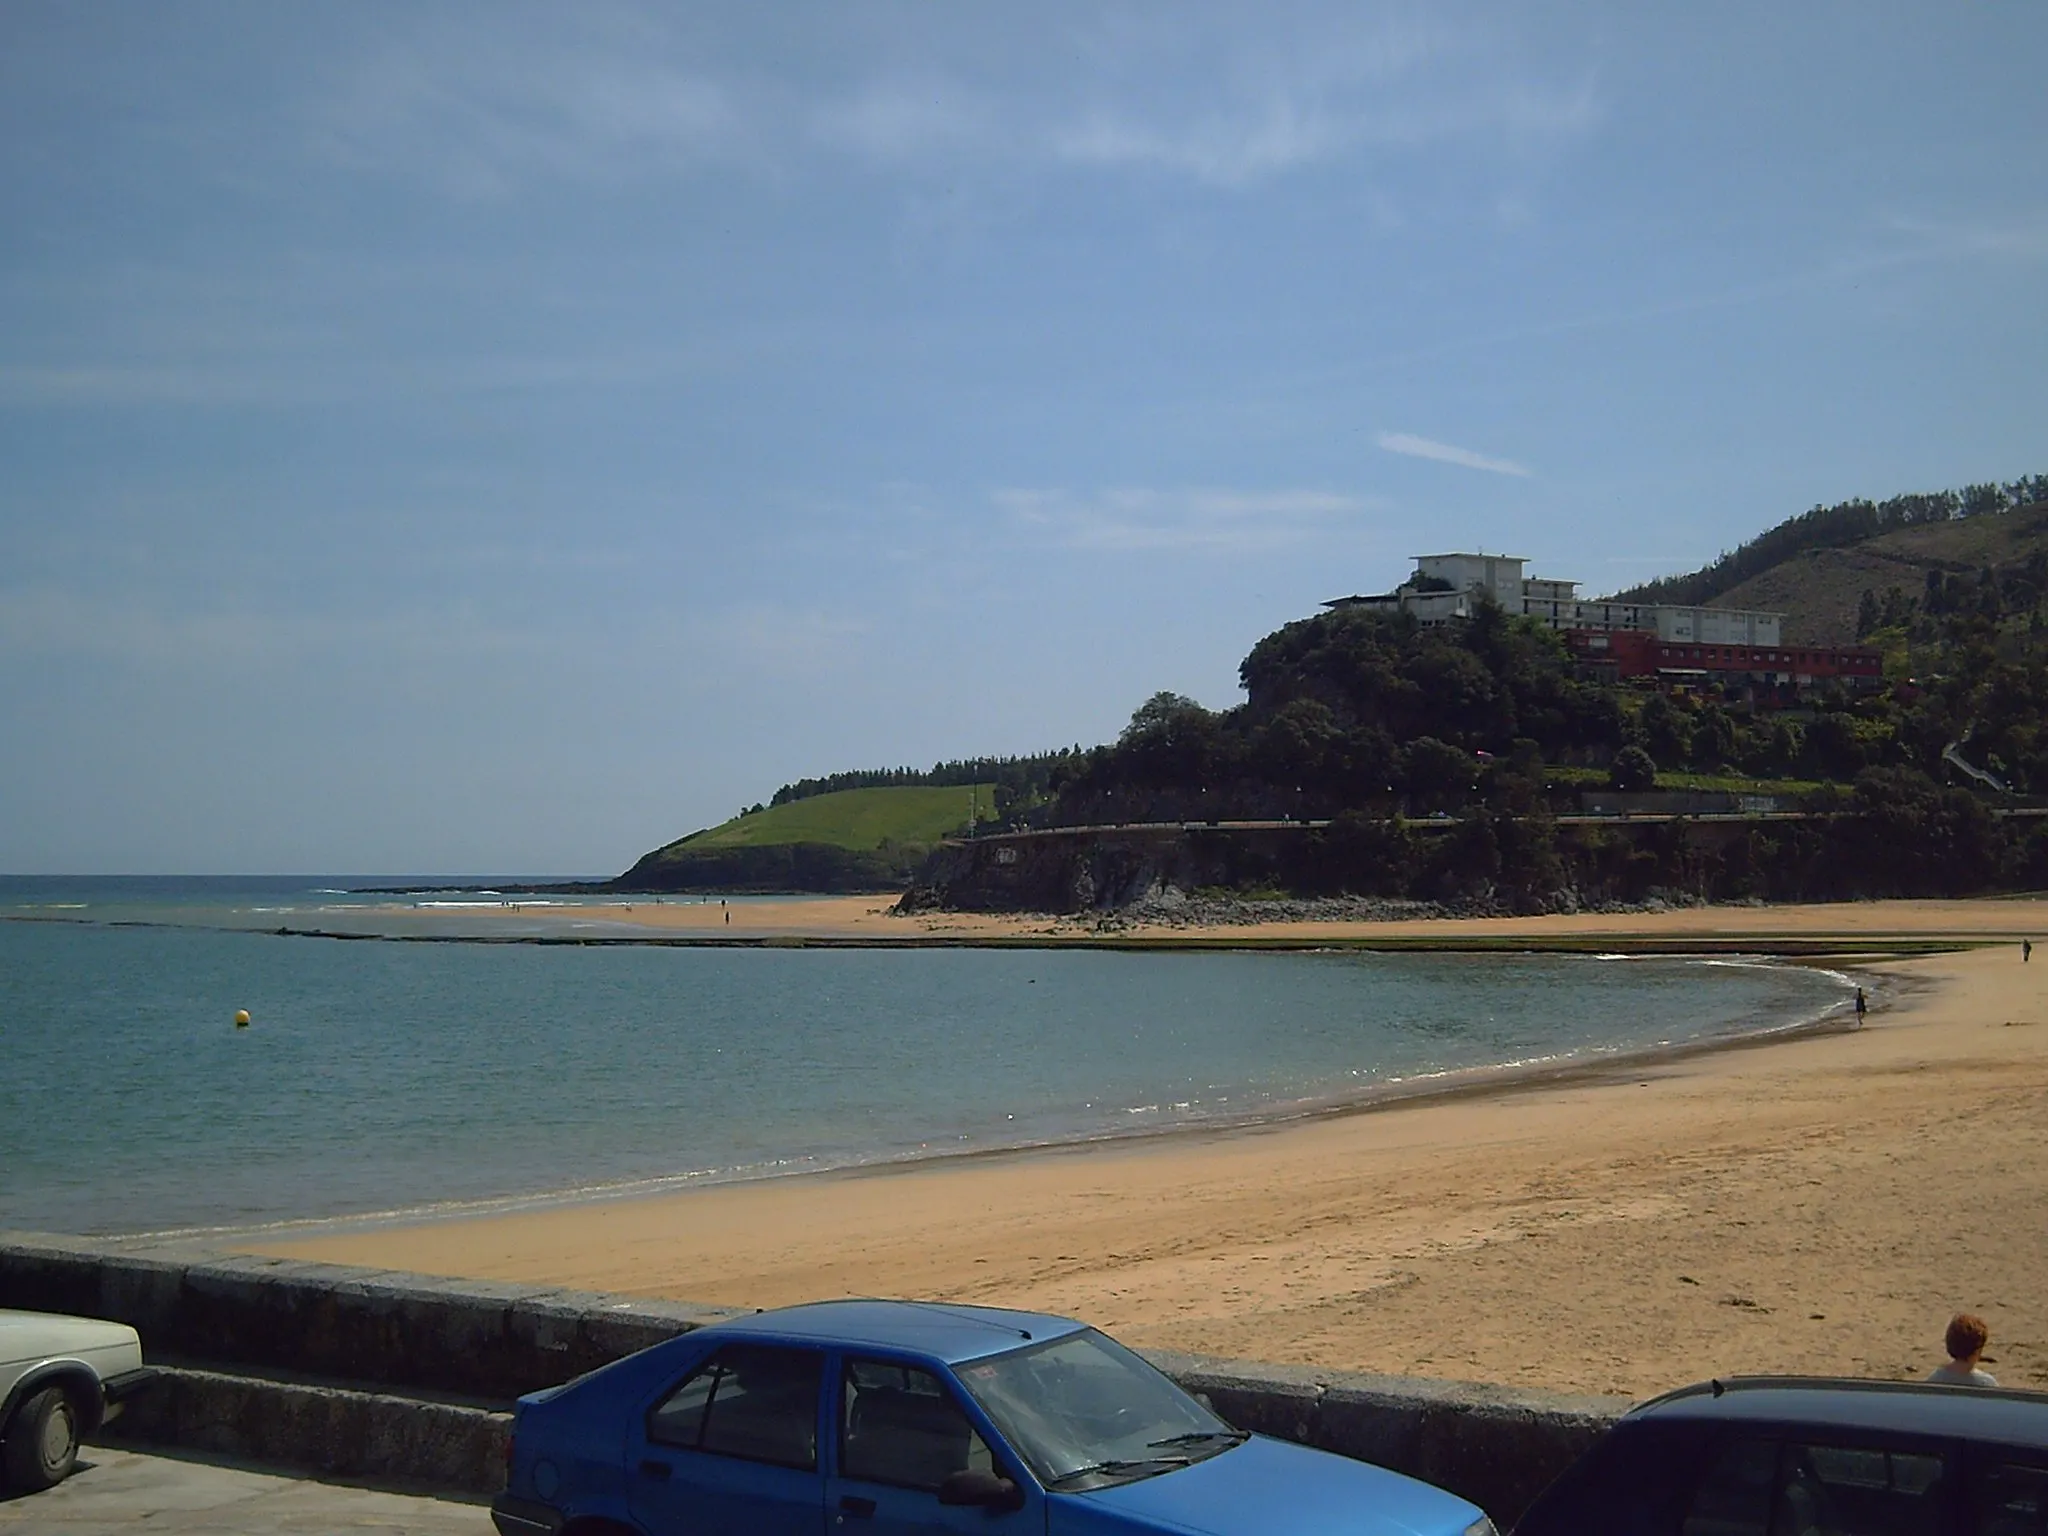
60 1379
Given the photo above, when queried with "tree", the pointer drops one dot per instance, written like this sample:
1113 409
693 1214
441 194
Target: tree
1667 730
1160 714
1713 737
1436 774
1632 769
1868 613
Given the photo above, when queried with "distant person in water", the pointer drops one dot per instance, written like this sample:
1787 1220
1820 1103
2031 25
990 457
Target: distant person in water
1967 1337
1862 1006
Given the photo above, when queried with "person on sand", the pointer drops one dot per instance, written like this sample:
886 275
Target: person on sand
2026 950
1967 1337
1862 1007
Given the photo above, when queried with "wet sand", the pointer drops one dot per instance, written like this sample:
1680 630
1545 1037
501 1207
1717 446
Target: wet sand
1814 1204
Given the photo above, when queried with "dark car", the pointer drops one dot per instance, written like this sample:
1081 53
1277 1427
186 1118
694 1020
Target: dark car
893 1418
1797 1456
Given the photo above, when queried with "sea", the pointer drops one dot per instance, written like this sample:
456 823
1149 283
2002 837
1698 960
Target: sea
383 1080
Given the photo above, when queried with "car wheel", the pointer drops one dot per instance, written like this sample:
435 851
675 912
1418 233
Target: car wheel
42 1443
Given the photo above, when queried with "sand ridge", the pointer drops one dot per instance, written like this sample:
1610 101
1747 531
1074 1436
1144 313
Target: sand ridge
1814 1204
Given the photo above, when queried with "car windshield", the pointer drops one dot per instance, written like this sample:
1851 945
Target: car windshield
1085 1411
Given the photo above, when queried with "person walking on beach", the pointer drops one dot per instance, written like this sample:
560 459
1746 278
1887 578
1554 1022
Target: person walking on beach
1862 1007
1967 1337
2026 950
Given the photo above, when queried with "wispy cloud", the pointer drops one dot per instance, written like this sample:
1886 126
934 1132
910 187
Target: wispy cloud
1288 125
483 121
1205 98
1449 453
1209 99
2025 236
1197 520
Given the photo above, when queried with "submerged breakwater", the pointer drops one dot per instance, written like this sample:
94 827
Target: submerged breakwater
409 1078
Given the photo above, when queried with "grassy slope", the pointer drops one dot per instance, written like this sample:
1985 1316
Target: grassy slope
1818 591
857 819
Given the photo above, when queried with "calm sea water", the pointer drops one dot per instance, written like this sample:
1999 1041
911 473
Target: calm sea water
384 1077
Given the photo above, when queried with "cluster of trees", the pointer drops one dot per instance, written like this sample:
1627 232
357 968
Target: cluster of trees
1835 527
1350 709
1019 781
2000 593
1365 718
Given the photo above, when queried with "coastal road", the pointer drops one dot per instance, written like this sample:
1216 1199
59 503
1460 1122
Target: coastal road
118 1490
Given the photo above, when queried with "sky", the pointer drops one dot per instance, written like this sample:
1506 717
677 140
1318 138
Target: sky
501 439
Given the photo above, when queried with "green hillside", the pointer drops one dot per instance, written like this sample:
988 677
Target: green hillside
855 818
850 840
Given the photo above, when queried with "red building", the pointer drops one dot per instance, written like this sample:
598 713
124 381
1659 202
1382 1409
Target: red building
1627 655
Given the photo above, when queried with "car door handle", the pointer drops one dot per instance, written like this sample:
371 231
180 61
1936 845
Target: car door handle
660 1471
859 1508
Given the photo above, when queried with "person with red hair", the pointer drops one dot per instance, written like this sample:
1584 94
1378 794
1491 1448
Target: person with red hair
1967 1337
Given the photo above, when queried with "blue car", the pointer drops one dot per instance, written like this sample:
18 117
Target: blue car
898 1418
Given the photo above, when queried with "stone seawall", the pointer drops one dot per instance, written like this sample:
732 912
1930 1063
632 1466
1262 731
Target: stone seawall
408 1378
472 1337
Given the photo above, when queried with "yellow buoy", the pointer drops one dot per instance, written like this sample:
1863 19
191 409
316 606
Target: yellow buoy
241 1018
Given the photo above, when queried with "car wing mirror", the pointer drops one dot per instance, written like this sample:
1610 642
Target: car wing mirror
973 1487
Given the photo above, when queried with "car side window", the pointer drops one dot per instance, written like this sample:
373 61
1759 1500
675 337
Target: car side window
753 1401
1792 1488
2009 1498
1734 1498
899 1425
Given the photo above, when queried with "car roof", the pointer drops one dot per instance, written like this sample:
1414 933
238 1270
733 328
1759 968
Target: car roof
2000 1414
950 1331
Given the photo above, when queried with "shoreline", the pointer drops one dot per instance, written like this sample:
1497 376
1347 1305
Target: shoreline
1821 1202
1475 1083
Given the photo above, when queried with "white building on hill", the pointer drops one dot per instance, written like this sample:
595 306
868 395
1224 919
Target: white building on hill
1446 587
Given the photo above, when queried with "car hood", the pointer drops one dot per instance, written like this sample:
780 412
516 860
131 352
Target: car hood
29 1336
1271 1488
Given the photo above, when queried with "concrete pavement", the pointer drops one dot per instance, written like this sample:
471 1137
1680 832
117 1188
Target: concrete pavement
119 1490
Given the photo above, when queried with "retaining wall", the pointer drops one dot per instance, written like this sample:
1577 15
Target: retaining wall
419 1371
476 1337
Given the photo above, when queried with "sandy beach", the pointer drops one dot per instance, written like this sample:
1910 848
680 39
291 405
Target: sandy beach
1818 1204
872 919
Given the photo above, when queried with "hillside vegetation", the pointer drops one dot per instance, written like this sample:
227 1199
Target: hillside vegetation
1378 725
1820 591
1017 781
846 840
1840 526
1375 724
859 819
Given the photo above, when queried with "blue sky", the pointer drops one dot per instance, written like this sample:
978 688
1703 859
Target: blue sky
503 438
